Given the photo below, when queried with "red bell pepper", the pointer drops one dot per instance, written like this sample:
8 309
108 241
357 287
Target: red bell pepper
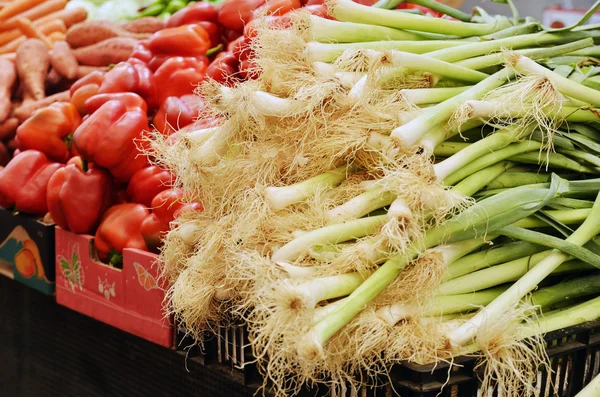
109 138
95 77
223 68
174 114
166 207
83 94
234 14
131 76
273 22
120 229
179 76
214 32
193 13
142 52
50 130
24 182
182 41
77 198
248 70
277 7
129 99
147 183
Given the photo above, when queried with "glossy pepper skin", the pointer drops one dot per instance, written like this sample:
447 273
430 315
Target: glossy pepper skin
50 131
234 14
147 183
223 68
120 229
183 41
179 76
24 182
193 13
166 206
175 113
77 198
109 138
129 99
132 76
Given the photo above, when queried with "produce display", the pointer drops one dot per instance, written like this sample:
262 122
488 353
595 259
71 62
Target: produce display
361 183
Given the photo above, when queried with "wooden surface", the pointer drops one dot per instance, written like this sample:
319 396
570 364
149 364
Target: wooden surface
48 350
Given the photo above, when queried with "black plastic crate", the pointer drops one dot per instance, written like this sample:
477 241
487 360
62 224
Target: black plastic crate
574 357
201 351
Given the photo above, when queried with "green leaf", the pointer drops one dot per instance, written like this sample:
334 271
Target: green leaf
65 266
552 242
74 258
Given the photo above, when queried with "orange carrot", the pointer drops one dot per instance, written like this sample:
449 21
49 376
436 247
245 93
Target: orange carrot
23 112
8 76
32 32
35 13
47 28
11 56
16 7
57 36
33 60
70 17
63 60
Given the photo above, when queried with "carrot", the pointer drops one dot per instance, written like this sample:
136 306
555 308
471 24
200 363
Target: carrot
69 16
35 13
32 32
57 36
84 70
23 112
107 52
145 25
53 77
16 7
8 76
33 60
47 28
63 60
11 56
8 128
92 32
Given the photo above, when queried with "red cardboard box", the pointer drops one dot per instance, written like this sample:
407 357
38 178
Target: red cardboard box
130 299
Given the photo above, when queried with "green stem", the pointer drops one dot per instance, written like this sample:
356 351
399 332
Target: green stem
329 31
563 84
481 218
422 96
567 217
491 158
361 205
323 52
411 132
478 180
441 68
587 231
346 10
284 196
332 234
444 9
486 61
84 165
490 257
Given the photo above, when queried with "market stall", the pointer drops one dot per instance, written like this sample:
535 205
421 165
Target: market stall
298 198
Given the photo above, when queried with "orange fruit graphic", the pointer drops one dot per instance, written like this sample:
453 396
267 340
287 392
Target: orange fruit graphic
31 246
25 263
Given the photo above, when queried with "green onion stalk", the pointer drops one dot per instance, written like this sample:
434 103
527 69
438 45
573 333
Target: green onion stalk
584 233
481 218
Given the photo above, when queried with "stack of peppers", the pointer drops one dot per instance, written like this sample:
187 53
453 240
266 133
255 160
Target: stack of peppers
84 162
